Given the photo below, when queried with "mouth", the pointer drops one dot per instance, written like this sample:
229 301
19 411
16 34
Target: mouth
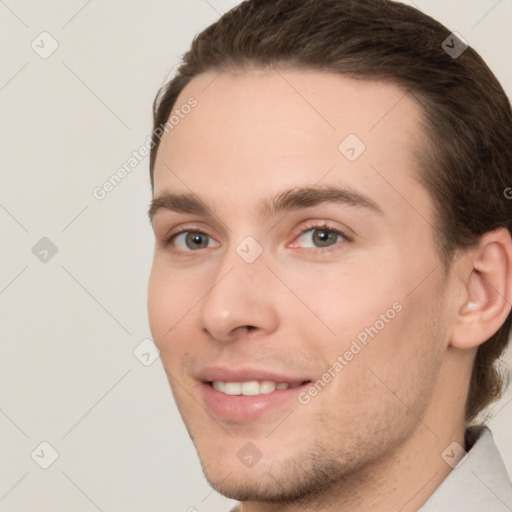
253 387
243 396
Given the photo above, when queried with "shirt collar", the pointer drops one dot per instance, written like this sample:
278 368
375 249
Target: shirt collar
479 481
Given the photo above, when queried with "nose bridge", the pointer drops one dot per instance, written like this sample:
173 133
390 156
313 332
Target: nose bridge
240 295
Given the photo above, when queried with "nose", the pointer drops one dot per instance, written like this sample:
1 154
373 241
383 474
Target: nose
241 300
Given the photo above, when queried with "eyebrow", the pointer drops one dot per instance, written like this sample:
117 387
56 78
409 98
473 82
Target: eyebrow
289 200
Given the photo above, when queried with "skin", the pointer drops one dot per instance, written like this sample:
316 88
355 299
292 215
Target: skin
372 438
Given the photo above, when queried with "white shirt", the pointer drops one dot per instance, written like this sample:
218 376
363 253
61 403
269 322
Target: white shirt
479 482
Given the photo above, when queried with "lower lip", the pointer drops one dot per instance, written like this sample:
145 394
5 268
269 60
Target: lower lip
246 408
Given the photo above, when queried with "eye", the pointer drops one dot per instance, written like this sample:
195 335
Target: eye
319 237
192 241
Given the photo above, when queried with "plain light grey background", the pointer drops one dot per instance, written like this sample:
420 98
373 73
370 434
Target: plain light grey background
70 321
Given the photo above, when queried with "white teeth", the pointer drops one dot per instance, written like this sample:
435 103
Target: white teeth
232 388
251 388
267 387
219 386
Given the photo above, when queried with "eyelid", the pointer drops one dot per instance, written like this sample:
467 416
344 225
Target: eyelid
193 227
178 246
303 228
321 224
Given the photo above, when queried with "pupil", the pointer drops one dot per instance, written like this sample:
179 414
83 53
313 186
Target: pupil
323 238
196 240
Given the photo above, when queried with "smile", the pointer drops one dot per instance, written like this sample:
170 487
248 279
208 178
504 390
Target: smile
252 387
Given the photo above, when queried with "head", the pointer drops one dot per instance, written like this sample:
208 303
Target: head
290 101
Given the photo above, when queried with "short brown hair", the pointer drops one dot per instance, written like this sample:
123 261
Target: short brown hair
468 164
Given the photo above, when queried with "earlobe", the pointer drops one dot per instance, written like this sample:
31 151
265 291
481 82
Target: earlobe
488 291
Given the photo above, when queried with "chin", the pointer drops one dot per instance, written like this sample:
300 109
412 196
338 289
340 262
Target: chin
299 478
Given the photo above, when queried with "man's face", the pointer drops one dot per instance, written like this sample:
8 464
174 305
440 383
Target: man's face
246 293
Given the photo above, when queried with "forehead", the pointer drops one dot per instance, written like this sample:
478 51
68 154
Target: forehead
258 131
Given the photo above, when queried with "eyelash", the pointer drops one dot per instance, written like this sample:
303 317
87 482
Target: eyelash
304 229
325 226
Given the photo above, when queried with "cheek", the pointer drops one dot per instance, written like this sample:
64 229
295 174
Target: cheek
168 303
338 302
371 307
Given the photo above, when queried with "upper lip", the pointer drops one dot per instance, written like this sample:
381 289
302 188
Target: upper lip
222 374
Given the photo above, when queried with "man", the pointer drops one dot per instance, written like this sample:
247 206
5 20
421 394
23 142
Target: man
332 278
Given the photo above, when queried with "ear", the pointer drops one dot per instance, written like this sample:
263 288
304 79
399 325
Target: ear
486 277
